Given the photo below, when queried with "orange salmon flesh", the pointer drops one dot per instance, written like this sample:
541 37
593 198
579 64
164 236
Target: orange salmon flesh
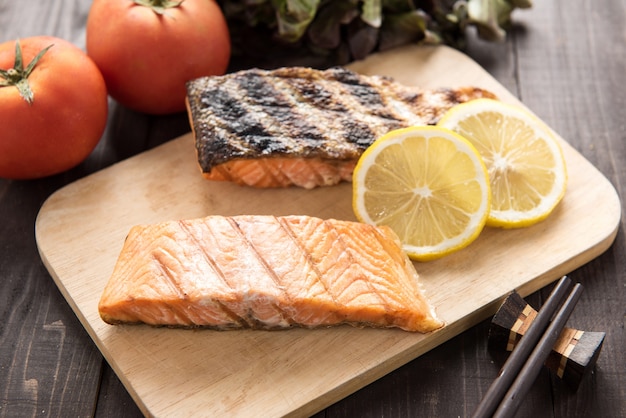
265 272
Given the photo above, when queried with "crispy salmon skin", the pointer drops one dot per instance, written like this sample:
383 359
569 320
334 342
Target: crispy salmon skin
265 272
300 126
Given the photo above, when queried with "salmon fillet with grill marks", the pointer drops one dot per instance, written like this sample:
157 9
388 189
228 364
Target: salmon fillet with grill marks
300 126
265 272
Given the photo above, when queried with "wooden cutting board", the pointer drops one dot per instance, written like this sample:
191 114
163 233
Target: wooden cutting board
81 228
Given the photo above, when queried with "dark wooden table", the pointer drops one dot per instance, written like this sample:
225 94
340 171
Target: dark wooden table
566 60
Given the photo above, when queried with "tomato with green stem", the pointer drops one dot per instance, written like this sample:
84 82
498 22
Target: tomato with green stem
148 49
53 107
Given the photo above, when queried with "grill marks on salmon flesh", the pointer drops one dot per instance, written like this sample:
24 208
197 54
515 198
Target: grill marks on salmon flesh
265 272
252 121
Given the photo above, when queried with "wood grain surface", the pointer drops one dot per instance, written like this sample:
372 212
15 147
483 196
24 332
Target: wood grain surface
564 60
80 230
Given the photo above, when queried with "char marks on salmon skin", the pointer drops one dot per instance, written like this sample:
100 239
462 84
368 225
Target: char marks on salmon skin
300 113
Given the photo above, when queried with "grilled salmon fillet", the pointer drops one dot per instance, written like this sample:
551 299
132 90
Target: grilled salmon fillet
265 272
300 126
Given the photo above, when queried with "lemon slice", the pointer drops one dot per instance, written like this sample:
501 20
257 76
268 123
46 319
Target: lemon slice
525 163
428 184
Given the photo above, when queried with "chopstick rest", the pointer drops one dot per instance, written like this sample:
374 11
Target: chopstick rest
531 368
508 373
574 354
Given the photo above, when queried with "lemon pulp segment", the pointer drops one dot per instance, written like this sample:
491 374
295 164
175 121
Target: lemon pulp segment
426 183
525 163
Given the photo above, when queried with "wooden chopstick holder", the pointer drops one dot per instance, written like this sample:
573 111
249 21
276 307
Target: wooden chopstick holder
532 367
516 360
573 356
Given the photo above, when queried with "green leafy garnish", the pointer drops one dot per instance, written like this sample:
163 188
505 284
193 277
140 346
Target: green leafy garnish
323 33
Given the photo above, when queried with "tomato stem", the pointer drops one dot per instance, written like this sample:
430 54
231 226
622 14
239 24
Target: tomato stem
18 75
159 6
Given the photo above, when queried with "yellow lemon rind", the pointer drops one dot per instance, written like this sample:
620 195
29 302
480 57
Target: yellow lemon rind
517 219
425 253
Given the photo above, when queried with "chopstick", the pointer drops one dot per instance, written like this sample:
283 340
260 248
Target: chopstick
506 391
532 367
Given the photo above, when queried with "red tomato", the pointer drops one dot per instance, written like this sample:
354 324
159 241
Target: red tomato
146 57
66 118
